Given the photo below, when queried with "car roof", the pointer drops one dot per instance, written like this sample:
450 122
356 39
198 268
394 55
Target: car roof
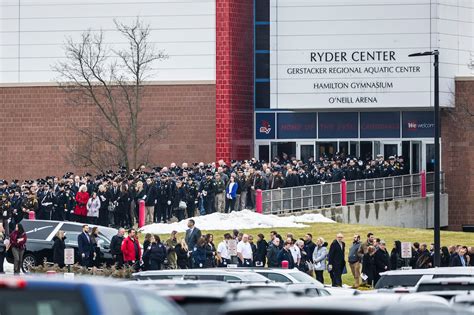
448 280
218 272
276 270
466 297
431 271
363 303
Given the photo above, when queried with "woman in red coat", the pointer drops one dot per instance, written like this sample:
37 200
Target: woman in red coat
82 197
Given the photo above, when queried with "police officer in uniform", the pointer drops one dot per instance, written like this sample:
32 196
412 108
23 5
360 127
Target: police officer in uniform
5 212
207 190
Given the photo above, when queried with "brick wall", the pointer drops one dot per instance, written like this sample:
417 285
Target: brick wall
35 134
457 134
234 79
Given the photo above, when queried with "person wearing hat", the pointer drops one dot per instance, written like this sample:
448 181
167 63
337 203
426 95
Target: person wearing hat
220 198
192 191
381 260
47 203
5 211
207 191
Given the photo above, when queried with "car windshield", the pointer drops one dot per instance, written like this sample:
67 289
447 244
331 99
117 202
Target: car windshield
395 281
254 278
199 306
41 302
428 287
303 278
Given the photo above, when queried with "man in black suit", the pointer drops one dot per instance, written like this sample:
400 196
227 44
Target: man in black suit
459 259
85 246
193 234
336 261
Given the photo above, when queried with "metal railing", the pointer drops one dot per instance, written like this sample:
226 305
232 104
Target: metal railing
327 195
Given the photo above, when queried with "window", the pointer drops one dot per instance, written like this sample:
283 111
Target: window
44 301
154 305
276 277
262 10
117 302
231 279
394 281
303 278
262 94
262 62
262 37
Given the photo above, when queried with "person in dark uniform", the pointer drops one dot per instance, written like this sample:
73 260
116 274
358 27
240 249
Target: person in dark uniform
207 190
192 194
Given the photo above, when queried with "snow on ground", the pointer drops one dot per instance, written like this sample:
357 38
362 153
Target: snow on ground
244 219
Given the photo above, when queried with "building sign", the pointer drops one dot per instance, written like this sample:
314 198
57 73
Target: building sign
352 55
265 126
380 125
418 124
296 125
338 125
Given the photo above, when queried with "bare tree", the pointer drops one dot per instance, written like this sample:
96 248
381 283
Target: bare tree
111 80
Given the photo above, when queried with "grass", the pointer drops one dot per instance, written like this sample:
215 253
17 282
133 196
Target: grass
329 230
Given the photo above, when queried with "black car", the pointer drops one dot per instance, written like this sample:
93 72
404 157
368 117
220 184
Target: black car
40 241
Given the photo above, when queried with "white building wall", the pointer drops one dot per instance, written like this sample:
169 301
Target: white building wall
33 32
299 27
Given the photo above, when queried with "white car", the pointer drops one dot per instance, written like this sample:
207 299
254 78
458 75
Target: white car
447 287
407 280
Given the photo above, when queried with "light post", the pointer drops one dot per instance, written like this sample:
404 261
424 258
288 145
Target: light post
437 170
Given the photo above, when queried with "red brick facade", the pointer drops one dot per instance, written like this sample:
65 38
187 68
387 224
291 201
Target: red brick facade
234 79
457 138
35 133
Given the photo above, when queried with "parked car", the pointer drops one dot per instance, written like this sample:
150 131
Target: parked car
40 241
377 304
407 280
53 296
284 275
465 301
447 287
226 275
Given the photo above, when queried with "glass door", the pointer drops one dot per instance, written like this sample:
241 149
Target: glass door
327 149
430 157
264 152
415 157
390 149
306 151
366 150
283 150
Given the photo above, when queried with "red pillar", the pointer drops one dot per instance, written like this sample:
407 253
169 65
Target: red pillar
423 184
258 201
234 79
343 192
141 213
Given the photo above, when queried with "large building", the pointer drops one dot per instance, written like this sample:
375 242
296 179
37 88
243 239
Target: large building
258 77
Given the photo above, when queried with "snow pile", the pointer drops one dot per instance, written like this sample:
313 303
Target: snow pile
239 220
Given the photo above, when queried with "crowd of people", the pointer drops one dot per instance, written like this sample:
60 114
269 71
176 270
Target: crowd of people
365 259
112 198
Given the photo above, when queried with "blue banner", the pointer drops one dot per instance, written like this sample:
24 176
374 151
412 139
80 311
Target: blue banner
418 124
338 125
265 126
297 126
380 125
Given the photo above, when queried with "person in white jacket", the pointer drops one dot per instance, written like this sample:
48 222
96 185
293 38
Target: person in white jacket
319 259
93 207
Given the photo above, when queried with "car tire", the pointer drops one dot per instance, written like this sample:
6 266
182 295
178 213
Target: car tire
29 260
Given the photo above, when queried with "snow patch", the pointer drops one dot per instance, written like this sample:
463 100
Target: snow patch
239 220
